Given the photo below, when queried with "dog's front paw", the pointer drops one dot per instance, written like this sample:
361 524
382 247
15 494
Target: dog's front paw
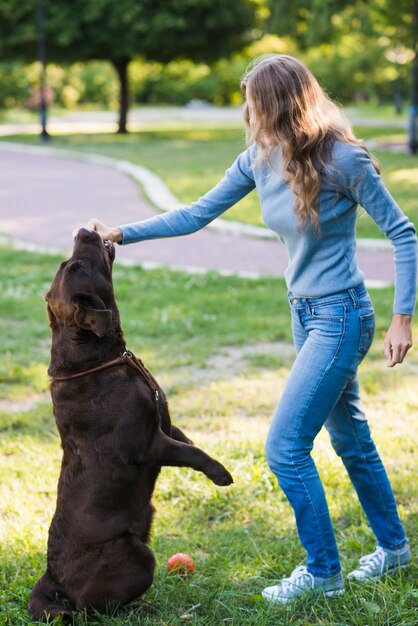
220 476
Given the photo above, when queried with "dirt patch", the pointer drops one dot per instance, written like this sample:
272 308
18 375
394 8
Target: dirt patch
229 363
233 360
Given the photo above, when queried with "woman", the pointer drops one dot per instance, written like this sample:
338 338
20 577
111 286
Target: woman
311 173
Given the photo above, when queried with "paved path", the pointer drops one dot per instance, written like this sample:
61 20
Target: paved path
43 198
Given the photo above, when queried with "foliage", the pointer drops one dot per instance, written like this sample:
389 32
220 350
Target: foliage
307 22
354 68
157 30
364 46
93 82
14 87
179 82
176 82
311 23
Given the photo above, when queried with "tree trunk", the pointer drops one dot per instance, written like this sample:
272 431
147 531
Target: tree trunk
121 66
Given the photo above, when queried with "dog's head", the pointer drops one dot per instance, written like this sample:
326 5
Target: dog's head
81 294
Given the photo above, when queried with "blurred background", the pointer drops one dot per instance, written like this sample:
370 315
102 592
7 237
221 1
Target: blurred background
105 56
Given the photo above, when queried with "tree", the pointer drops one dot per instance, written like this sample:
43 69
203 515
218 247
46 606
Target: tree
313 22
307 22
393 24
117 31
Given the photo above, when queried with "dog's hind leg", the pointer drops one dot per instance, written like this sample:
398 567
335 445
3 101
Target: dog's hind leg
125 571
46 601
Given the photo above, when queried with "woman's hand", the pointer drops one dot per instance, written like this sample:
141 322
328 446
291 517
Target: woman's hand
398 339
107 233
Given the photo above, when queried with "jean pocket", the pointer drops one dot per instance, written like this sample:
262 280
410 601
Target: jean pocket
367 326
329 310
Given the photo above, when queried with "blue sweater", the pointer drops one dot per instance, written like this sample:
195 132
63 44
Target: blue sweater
318 264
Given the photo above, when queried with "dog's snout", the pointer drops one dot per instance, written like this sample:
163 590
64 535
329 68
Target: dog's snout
87 235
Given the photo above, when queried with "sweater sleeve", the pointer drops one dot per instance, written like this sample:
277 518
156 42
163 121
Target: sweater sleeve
363 184
237 183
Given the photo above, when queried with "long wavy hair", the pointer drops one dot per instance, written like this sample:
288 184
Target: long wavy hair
286 108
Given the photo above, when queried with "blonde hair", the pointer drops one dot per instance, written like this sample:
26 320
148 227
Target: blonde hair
291 110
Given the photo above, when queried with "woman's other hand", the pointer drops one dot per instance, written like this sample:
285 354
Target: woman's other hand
107 233
398 339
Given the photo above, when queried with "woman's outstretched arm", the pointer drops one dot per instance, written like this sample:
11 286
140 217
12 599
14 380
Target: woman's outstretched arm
237 183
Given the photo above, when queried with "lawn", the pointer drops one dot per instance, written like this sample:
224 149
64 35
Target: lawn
192 158
220 348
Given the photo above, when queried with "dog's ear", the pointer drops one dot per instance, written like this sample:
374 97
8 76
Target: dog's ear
91 314
56 309
51 317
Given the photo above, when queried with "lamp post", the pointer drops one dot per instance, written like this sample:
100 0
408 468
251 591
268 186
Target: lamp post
42 57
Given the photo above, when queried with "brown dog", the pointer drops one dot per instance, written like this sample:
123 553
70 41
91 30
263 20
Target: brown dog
116 434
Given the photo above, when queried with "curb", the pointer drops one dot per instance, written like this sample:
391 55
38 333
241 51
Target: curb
159 194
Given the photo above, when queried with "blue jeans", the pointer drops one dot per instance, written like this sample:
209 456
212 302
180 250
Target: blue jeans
332 334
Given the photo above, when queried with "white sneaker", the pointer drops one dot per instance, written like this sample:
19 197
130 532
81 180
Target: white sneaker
381 562
301 582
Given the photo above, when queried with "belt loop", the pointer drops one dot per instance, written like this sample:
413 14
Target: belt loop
353 296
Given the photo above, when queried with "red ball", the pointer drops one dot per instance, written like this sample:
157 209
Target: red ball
181 564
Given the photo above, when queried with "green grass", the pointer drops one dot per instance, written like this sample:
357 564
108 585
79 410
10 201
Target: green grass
191 159
205 339
382 112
